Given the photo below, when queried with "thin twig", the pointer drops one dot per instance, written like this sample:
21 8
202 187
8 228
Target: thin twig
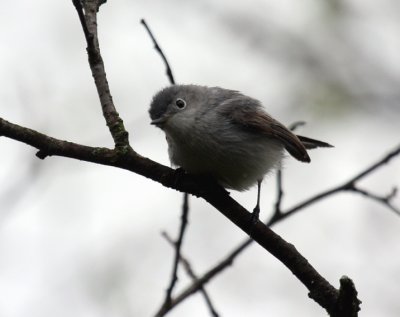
379 163
81 15
279 179
296 125
159 50
178 245
385 200
279 196
199 283
189 270
346 186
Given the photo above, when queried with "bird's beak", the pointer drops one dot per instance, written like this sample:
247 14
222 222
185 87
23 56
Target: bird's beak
159 122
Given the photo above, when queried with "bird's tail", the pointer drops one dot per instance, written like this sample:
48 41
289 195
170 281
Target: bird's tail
311 143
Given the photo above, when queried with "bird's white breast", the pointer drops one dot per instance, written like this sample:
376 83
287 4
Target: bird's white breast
235 158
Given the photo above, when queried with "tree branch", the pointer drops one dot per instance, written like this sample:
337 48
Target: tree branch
385 200
279 179
189 270
319 289
178 245
88 19
160 51
346 186
278 216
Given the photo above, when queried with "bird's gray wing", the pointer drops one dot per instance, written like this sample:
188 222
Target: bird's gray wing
248 115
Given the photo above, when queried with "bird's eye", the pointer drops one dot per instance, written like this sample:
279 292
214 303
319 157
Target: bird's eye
180 103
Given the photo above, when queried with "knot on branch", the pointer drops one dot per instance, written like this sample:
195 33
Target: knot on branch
42 154
347 305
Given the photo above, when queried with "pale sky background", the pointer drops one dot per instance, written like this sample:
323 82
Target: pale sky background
82 240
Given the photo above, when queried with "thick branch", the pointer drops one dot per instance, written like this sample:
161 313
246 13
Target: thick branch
319 289
89 25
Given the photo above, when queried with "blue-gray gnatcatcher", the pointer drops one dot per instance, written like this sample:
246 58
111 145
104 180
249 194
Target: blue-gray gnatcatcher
224 134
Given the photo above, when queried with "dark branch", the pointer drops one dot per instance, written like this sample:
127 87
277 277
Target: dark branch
207 189
178 245
88 19
199 283
385 200
348 303
296 124
279 195
159 50
378 164
228 259
279 179
78 7
189 270
346 186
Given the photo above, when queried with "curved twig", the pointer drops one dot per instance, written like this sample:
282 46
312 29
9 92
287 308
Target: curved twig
160 51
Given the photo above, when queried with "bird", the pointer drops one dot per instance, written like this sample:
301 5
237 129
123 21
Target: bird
224 134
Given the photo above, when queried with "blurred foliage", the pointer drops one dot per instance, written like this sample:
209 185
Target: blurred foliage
330 56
